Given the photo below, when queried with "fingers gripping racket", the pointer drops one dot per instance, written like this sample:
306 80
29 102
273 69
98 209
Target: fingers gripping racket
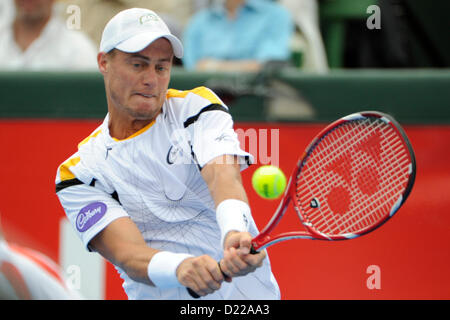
351 179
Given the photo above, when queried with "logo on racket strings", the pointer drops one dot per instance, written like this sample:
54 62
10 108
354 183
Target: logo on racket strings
315 204
366 179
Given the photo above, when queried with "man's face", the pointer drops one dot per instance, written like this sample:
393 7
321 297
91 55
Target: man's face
136 83
33 9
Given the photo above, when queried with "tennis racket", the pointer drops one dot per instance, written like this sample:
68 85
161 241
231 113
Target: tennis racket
351 179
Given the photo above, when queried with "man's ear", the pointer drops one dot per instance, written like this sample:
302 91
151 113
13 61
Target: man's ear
102 61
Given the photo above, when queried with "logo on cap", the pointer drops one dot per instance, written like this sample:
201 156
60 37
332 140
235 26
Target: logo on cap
149 17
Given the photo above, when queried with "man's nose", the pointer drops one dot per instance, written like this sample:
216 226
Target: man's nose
149 77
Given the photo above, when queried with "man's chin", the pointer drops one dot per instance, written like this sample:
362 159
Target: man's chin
146 113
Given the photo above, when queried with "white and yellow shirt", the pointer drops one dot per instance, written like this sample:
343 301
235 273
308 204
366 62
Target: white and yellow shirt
154 178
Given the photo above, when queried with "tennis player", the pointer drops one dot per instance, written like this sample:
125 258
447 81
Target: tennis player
156 188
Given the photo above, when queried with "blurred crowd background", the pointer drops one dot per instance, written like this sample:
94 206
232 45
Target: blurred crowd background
236 35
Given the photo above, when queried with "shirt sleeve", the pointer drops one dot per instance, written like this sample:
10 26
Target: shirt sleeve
89 210
212 135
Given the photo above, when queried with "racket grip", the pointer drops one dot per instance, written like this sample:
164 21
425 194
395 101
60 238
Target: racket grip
253 251
193 294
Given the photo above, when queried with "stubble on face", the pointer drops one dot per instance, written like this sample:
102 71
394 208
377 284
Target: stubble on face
137 83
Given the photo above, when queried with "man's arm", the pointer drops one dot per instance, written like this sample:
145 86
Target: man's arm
123 245
223 177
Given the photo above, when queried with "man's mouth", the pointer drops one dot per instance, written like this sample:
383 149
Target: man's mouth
146 95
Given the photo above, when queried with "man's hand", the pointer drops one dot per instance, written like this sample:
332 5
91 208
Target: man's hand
237 260
202 274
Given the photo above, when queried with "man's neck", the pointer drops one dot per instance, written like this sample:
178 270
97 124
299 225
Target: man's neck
28 30
124 128
232 7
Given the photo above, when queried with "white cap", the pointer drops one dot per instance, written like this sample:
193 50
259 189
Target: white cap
132 30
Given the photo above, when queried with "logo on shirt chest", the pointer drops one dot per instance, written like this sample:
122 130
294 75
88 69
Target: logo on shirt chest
175 155
172 155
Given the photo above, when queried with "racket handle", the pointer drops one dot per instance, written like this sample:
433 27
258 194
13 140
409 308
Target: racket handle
193 294
253 251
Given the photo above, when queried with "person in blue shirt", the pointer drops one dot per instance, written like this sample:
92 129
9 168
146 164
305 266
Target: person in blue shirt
238 35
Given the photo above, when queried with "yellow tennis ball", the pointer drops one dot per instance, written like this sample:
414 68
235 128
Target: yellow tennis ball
269 182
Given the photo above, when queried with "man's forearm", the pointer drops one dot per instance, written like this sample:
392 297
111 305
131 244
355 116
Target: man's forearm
122 244
223 177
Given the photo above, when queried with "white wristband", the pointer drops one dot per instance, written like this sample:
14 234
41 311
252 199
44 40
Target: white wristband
232 215
162 269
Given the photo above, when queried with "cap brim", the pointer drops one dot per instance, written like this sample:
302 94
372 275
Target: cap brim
141 41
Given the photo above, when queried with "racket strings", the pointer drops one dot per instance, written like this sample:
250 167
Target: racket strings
374 214
364 220
378 197
347 142
330 151
325 153
368 218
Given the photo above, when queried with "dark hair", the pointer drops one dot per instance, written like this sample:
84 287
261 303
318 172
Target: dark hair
112 53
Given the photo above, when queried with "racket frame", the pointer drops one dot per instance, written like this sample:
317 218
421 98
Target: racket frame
264 239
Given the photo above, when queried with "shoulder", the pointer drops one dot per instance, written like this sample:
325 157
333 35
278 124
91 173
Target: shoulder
70 37
92 137
203 20
187 105
75 168
189 101
6 36
200 95
72 48
202 16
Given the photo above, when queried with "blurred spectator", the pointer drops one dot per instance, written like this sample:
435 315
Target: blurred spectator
96 13
7 11
237 35
37 39
308 39
26 274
